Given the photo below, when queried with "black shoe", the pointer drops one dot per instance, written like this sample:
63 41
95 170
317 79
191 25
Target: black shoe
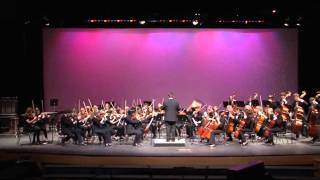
167 140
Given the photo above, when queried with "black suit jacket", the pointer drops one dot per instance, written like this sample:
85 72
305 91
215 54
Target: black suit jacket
171 107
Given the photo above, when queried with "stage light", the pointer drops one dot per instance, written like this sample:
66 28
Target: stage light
142 22
47 24
274 11
286 24
195 22
298 24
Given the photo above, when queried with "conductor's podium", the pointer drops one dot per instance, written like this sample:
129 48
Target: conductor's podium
164 143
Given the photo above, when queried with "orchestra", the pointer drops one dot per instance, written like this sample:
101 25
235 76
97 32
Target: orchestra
111 122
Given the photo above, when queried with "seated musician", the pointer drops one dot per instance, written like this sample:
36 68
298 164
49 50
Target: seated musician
194 115
220 129
274 124
243 125
134 127
119 127
85 122
182 118
103 128
70 128
42 123
32 126
299 104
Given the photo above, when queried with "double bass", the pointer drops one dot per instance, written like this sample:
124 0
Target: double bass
313 116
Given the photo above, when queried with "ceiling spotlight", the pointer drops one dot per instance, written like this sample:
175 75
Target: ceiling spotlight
274 11
142 22
286 24
47 24
298 24
195 22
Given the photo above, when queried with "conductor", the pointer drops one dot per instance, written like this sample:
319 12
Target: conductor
171 108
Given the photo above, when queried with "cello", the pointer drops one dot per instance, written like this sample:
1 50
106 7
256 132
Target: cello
260 119
211 125
285 109
299 115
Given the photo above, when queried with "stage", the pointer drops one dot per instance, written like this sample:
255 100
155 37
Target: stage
193 154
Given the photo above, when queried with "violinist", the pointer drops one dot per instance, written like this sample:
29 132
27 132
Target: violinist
119 127
85 121
32 126
42 120
102 127
134 127
69 128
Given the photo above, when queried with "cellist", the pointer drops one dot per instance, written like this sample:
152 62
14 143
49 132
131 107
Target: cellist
299 123
219 129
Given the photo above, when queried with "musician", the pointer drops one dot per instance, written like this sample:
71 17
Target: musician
249 119
85 121
119 127
156 123
298 105
70 128
313 118
171 108
195 120
274 125
182 118
240 123
32 126
220 122
134 127
232 119
103 127
42 123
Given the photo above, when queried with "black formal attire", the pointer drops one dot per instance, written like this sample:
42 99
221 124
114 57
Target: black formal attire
134 127
171 107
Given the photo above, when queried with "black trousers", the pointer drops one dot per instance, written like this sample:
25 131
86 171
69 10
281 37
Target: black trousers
190 130
138 132
171 130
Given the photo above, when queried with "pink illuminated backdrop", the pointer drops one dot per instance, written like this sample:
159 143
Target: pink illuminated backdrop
207 64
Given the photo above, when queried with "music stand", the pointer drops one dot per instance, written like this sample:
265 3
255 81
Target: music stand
240 103
54 104
255 102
